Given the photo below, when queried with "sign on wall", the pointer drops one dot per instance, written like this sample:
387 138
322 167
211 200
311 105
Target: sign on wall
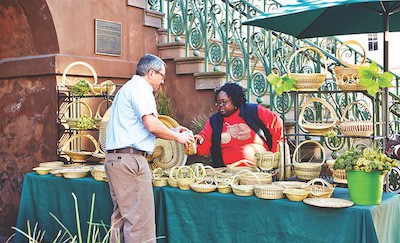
108 38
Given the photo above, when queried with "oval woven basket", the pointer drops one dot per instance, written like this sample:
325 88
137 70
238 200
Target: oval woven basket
321 127
77 155
203 186
339 175
347 77
185 176
353 127
319 188
296 195
105 88
240 190
269 192
235 168
307 81
69 83
97 117
307 170
255 178
72 113
224 187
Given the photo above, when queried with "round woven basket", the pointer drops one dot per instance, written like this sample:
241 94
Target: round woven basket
267 160
172 179
75 173
356 128
339 175
296 195
224 187
77 155
159 179
321 127
240 190
255 178
199 171
235 168
74 109
269 192
319 188
307 170
51 164
70 83
307 81
97 117
347 77
203 187
185 177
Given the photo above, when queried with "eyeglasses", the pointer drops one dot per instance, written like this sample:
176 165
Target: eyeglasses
163 75
221 103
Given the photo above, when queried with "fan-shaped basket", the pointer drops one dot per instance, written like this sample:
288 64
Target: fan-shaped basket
319 188
235 168
72 121
347 77
269 192
307 170
321 127
105 88
307 81
70 84
267 160
97 117
78 155
356 128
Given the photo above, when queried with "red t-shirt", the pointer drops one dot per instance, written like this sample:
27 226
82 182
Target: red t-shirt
238 140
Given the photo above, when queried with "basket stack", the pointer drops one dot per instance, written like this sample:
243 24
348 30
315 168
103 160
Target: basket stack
357 128
307 170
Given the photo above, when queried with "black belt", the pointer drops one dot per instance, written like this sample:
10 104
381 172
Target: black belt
128 151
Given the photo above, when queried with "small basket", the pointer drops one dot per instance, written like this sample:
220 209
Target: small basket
159 179
307 81
321 127
199 171
203 187
97 117
42 170
240 190
307 170
73 121
267 160
339 175
75 173
235 168
296 195
347 78
105 88
319 188
269 192
224 187
51 164
78 156
98 172
172 180
68 83
185 177
356 128
255 178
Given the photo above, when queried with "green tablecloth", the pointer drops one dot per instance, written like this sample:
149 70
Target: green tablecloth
187 216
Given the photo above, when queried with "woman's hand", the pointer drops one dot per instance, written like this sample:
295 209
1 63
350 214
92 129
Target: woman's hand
199 138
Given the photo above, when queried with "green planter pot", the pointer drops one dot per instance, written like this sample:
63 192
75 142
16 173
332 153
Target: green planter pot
365 188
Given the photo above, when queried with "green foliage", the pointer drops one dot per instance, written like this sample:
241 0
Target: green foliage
368 159
281 83
164 106
85 122
372 78
80 88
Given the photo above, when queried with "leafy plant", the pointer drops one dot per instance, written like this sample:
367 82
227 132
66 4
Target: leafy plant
281 83
368 159
85 122
198 123
372 78
164 105
80 88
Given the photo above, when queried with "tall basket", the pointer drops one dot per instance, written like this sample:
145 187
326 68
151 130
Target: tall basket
353 127
308 81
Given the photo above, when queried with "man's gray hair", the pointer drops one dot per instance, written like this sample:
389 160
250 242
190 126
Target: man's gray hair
149 62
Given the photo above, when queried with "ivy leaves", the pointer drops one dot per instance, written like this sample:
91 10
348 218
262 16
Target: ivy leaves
373 79
281 83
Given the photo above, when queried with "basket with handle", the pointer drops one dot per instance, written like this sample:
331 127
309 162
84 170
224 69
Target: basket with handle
347 77
307 170
235 168
267 160
255 178
158 179
105 88
199 171
307 81
172 179
321 127
339 175
73 121
353 127
240 190
319 188
97 117
77 155
185 176
203 186
70 84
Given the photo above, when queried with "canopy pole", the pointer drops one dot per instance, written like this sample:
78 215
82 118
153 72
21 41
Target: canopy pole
385 112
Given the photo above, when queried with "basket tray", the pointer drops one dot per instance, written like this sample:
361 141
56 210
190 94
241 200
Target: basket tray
328 202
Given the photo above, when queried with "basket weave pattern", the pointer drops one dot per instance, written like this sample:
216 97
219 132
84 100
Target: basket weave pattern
269 192
319 188
356 128
307 170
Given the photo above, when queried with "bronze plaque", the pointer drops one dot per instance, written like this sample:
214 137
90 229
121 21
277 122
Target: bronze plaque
108 38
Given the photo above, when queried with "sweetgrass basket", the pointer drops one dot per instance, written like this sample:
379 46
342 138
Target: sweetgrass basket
307 170
97 116
224 187
172 179
185 176
199 171
68 83
356 127
98 172
296 195
320 127
203 186
319 188
78 155
347 77
267 160
105 88
269 192
307 81
339 175
73 111
240 190
159 179
255 178
289 184
235 167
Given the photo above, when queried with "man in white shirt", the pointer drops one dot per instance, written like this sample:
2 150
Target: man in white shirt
131 133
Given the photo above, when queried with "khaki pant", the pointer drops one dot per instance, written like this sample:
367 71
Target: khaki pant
133 219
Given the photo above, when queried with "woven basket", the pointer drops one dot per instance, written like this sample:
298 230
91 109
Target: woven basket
79 156
224 187
203 186
98 172
103 129
70 83
339 175
319 188
75 173
255 178
307 81
192 147
307 170
235 168
289 184
185 177
97 117
72 121
267 160
159 179
105 88
269 192
347 77
321 127
240 190
172 180
199 171
356 128
51 164
296 195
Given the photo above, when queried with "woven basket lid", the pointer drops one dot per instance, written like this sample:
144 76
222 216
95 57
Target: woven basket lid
168 153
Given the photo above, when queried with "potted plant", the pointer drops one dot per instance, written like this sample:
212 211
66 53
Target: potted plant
365 171
373 79
281 83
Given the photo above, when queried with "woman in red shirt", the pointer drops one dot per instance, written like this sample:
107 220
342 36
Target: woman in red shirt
238 130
